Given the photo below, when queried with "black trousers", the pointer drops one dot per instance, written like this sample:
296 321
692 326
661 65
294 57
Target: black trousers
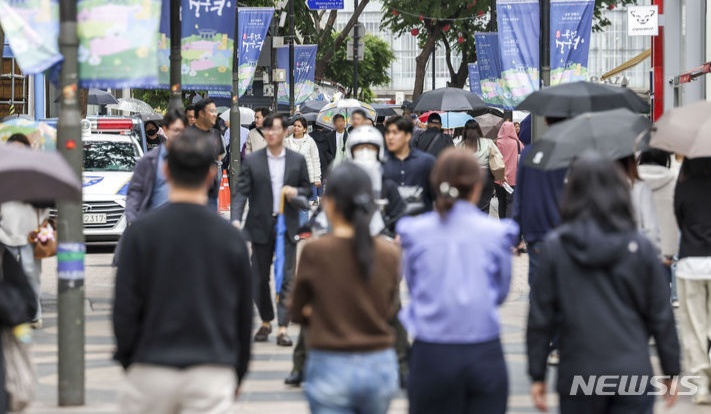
457 378
487 192
262 259
627 404
505 202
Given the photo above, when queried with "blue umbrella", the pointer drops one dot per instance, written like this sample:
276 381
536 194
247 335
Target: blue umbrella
455 119
279 249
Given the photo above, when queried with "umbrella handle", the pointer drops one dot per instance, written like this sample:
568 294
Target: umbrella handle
282 201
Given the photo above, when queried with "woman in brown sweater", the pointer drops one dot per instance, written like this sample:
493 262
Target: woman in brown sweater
346 291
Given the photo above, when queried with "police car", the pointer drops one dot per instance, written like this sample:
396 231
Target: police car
112 147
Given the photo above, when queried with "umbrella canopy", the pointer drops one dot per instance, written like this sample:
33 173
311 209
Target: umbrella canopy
386 110
490 124
344 107
685 130
312 106
426 116
132 105
99 97
455 119
448 99
309 117
615 134
572 99
27 175
246 115
40 134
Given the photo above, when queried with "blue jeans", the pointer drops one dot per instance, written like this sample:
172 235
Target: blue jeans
351 382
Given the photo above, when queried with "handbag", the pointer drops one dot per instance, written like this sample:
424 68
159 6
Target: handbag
20 376
496 163
44 239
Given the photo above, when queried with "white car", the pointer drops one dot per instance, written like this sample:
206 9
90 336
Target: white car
112 147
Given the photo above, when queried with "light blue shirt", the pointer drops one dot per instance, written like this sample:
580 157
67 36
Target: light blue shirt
458 271
160 188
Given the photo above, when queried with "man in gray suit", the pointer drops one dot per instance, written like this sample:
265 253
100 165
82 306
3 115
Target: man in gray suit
264 175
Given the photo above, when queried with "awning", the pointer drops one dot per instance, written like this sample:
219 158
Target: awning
629 64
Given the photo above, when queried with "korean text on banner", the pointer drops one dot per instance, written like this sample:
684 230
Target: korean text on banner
253 27
489 63
117 43
304 72
474 80
519 34
32 30
571 27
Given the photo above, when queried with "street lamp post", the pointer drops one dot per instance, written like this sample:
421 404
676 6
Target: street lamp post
292 34
71 248
235 122
356 39
176 90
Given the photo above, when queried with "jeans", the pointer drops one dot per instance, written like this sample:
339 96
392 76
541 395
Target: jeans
506 201
351 382
32 269
534 251
487 191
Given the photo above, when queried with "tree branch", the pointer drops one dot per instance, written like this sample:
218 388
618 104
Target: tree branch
321 65
448 54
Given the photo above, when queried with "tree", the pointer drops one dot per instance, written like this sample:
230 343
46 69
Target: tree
454 23
372 71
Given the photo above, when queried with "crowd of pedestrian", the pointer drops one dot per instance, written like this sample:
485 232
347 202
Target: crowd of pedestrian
612 246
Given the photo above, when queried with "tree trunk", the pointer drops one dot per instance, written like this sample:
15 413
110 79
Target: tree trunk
83 102
421 67
326 58
457 77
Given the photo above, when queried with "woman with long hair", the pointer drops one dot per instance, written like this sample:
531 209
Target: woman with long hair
457 278
345 294
473 140
301 142
601 287
693 272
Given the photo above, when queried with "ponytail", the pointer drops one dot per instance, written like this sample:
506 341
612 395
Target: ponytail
362 214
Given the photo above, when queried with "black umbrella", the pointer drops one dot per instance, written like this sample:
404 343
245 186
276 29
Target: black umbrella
99 97
615 134
448 99
309 117
312 107
27 175
385 110
572 99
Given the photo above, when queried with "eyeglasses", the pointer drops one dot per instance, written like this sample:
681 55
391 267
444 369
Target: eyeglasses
211 111
274 130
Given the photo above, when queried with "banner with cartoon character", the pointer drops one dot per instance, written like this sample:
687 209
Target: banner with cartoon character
304 72
571 27
489 65
32 30
208 42
519 34
117 43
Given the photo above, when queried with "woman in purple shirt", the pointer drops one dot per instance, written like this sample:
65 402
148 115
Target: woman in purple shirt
457 264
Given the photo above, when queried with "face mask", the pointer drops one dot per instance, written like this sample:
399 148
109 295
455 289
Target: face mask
365 155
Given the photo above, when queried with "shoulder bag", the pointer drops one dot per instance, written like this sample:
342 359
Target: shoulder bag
43 239
496 163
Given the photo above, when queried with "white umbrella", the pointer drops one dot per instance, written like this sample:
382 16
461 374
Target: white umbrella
246 115
344 107
132 105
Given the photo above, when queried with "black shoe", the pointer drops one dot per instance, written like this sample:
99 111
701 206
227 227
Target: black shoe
403 381
284 340
262 334
294 378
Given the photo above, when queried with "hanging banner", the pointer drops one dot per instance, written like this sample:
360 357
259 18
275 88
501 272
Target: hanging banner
519 34
489 63
304 73
32 30
207 44
571 28
117 43
474 81
253 27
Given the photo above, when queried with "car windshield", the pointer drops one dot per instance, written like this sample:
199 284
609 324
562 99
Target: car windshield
110 156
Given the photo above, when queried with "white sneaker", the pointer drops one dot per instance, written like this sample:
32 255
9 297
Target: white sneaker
702 397
554 358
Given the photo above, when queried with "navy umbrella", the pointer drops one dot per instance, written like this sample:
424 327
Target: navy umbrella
448 99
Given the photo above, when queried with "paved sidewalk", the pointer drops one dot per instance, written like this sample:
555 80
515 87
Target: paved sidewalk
264 391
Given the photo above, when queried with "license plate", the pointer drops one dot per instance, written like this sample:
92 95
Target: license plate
94 218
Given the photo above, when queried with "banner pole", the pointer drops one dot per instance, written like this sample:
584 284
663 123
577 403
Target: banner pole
176 34
292 92
235 122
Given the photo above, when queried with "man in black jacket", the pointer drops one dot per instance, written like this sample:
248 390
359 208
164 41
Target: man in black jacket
183 302
265 176
433 141
336 142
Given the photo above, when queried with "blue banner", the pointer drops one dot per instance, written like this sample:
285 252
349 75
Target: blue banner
253 27
208 42
571 27
117 43
304 72
474 81
32 30
489 62
519 34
